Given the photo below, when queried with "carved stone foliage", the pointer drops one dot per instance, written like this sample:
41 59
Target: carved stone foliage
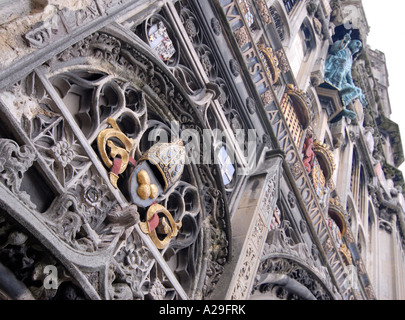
70 100
14 162
76 215
217 227
129 269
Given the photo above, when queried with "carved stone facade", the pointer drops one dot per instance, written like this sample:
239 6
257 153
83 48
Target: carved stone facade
174 150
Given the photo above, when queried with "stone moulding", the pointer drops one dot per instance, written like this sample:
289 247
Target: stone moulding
280 246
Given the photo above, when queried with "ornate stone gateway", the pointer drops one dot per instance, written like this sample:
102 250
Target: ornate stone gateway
88 194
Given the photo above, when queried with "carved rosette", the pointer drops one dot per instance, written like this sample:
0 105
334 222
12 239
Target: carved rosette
267 97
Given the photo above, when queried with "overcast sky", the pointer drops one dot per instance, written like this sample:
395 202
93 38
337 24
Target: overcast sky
385 19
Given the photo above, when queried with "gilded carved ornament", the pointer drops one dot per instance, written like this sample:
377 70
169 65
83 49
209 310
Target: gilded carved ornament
160 226
271 62
326 159
146 189
169 159
120 154
338 214
264 11
344 250
145 183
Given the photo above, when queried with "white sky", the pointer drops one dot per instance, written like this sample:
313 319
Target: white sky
385 19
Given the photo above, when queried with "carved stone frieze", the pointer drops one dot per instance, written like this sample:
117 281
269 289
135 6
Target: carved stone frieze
109 75
242 287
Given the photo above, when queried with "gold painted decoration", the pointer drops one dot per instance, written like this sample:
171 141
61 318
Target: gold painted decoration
157 170
344 250
270 60
146 189
115 157
326 159
169 159
338 214
160 226
301 103
318 179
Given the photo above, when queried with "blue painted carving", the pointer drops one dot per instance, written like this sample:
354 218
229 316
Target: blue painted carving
338 72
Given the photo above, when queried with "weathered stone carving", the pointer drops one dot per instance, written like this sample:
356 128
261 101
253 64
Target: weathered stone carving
128 269
26 258
264 11
280 242
66 21
14 162
85 212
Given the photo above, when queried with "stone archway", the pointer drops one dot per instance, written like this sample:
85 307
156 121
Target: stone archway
74 210
290 271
